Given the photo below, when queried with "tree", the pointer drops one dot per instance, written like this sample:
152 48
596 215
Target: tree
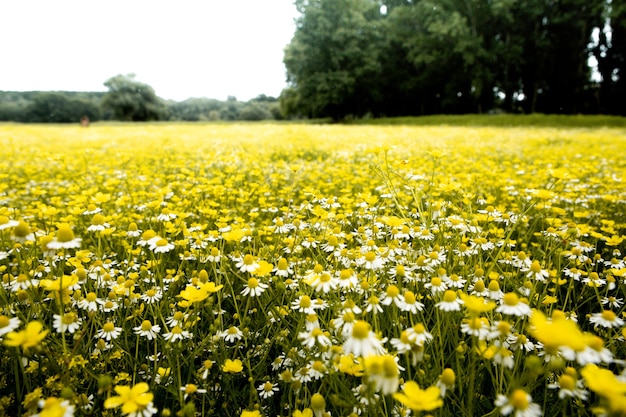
130 100
59 107
332 61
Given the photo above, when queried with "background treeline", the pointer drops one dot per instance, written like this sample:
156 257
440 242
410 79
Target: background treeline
415 57
128 100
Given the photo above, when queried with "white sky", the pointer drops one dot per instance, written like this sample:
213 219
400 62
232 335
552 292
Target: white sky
182 48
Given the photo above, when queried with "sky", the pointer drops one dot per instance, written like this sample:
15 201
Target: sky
181 48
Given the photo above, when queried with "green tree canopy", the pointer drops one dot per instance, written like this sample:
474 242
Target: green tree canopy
130 100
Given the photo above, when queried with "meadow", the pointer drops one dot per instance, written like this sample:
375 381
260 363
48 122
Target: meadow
312 270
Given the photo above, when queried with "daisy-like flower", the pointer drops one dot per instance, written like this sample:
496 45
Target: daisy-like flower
247 264
322 282
347 279
97 223
534 271
267 389
495 293
64 238
8 324
372 305
606 319
53 406
449 302
232 334
363 341
6 223
371 260
391 295
89 302
153 295
214 255
177 334
161 246
477 327
133 230
109 332
436 285
315 337
22 233
147 330
190 389
67 322
570 386
611 301
283 269
410 303
512 305
254 288
419 335
383 372
519 404
446 381
304 304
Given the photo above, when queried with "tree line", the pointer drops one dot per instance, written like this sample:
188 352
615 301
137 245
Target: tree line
415 57
128 100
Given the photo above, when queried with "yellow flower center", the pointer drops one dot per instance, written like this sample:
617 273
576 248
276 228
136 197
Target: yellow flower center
108 327
325 278
361 330
253 282
479 286
370 256
448 377
305 301
567 382
4 321
390 368
409 297
21 230
248 259
519 399
535 267
97 219
392 291
146 325
511 299
318 269
436 282
65 233
282 264
494 286
449 296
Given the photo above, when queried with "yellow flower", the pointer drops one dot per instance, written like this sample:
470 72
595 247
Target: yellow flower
255 413
232 366
348 365
28 338
132 400
604 383
477 304
193 294
557 332
419 400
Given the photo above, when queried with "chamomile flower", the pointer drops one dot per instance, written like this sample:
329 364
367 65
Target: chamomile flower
8 324
512 305
362 341
449 302
64 238
409 303
606 319
519 403
315 337
247 264
161 246
267 389
109 332
90 302
232 334
534 271
147 330
67 322
177 334
254 287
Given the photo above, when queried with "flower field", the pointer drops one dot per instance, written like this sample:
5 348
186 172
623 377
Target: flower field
305 270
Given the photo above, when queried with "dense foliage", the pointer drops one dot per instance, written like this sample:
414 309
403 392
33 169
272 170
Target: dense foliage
298 270
406 57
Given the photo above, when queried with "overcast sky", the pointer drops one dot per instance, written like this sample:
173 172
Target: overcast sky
182 48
